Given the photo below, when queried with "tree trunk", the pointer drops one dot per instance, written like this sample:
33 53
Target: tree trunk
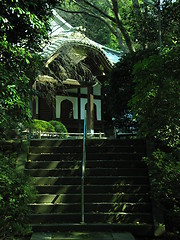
121 27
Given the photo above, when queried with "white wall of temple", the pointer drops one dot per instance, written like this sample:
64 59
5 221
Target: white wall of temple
98 107
74 101
83 102
83 90
97 102
96 90
73 90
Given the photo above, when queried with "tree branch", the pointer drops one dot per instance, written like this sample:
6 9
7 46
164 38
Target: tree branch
102 19
109 4
99 10
121 27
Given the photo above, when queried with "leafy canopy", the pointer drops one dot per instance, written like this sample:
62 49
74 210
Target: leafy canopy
127 25
156 99
24 24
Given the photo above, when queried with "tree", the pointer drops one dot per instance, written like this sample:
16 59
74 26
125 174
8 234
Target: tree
24 24
135 24
120 86
108 13
156 99
156 104
100 32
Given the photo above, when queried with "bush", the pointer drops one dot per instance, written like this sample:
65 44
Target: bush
59 127
41 125
164 168
16 192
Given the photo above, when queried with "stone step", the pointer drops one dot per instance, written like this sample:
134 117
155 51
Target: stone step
54 172
102 180
56 142
116 142
78 156
55 157
89 164
116 186
121 180
53 164
82 236
138 230
59 189
55 149
89 149
93 198
94 142
89 172
91 207
99 217
114 156
57 180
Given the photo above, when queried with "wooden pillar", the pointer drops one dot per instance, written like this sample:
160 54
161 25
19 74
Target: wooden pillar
53 105
90 110
79 110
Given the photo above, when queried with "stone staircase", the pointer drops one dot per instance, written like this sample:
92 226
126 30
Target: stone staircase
116 186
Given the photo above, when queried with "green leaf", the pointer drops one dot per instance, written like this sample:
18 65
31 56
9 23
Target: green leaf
27 61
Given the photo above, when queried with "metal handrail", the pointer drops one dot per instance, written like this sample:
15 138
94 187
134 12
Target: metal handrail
83 169
44 135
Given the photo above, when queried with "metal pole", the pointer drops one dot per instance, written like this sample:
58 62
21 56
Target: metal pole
83 171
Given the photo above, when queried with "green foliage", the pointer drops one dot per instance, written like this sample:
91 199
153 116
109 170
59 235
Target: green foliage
134 23
156 104
59 127
41 125
101 34
16 192
165 175
120 86
24 24
156 101
44 126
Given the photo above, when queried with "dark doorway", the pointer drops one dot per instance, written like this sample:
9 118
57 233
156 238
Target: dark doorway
66 109
45 110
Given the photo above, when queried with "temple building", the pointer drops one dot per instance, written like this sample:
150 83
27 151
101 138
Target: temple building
71 80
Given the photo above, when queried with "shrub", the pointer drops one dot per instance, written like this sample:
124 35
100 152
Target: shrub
59 127
164 168
16 192
41 125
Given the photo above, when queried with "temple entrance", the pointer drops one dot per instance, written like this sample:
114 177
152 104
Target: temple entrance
66 109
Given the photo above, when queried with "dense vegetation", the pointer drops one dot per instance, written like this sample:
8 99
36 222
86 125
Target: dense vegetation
24 24
156 104
144 82
128 25
16 192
